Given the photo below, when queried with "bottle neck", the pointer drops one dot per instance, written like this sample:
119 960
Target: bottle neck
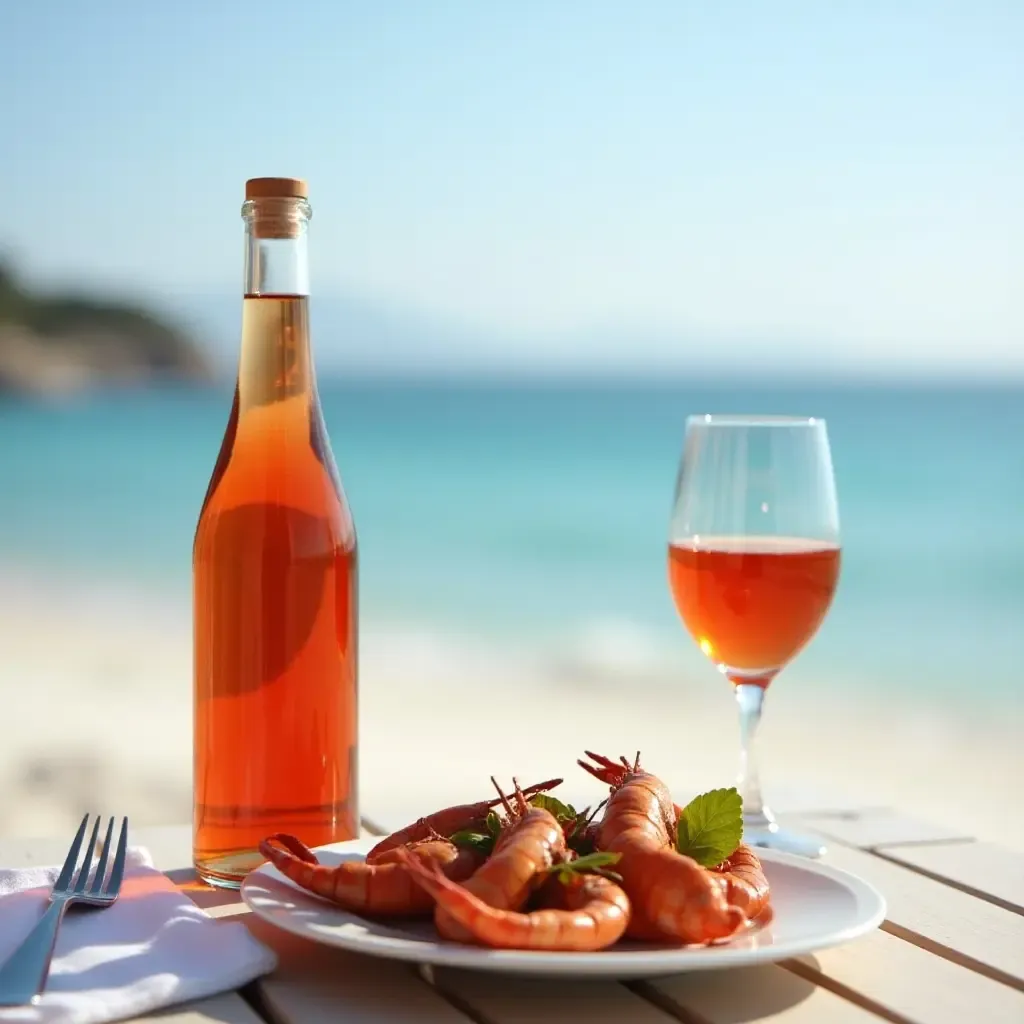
276 364
276 254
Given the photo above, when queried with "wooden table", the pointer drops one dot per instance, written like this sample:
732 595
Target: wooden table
951 950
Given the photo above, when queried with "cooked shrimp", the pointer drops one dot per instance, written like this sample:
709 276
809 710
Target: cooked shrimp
530 842
449 820
673 897
593 915
384 889
744 881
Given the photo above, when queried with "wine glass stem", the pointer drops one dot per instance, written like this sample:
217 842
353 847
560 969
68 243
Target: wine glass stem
750 698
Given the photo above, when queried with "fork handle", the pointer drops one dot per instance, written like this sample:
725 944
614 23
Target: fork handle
23 976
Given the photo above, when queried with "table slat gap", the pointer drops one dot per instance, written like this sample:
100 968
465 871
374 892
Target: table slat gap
318 984
867 829
910 982
663 1001
802 970
762 992
923 843
224 1008
494 999
458 1003
253 998
953 955
979 894
987 938
986 870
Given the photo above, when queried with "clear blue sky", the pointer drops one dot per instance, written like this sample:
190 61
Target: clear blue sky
846 175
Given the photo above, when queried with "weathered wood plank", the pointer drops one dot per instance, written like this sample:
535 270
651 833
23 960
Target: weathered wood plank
983 869
942 919
315 984
876 827
228 1008
767 993
500 1000
886 973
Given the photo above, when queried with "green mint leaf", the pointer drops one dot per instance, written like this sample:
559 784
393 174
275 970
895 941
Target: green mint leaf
711 827
593 863
594 860
493 824
475 840
562 813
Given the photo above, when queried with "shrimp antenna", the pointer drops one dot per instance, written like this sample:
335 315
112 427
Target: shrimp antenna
520 797
504 799
542 787
636 764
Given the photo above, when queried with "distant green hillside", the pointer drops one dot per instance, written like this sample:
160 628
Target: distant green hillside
61 342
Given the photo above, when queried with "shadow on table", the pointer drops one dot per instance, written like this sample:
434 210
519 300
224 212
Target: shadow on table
223 1007
732 996
206 896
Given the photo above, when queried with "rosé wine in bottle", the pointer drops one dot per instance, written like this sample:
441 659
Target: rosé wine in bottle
275 743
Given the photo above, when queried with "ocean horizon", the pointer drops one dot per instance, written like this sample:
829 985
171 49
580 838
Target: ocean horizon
535 515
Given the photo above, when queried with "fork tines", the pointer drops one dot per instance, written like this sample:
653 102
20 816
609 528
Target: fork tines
102 883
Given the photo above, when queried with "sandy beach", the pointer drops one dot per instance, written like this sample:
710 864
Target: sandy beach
97 716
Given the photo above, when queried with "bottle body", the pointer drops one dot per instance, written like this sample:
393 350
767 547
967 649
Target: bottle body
275 614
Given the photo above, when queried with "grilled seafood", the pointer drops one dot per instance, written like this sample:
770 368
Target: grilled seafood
674 898
592 915
383 889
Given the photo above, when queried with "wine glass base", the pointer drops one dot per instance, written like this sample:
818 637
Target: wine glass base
774 838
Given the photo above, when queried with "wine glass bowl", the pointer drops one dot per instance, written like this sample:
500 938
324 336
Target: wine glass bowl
752 603
753 564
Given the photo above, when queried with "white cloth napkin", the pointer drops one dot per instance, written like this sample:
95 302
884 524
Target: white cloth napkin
153 948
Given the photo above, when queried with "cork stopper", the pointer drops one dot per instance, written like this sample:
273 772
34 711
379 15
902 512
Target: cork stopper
276 188
276 207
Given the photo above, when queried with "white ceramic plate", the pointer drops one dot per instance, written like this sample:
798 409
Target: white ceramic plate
815 906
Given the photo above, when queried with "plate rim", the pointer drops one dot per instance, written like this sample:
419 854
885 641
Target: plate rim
610 963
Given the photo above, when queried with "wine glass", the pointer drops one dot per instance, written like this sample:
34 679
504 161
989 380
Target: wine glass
753 564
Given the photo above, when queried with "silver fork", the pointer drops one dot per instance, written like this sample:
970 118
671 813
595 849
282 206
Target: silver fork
23 976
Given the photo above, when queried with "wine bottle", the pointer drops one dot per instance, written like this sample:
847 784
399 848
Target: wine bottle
275 742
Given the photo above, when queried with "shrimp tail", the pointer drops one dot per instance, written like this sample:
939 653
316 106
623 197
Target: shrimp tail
428 874
383 889
297 862
612 773
471 914
293 845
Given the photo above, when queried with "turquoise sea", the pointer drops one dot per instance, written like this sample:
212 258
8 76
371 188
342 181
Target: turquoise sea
535 514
